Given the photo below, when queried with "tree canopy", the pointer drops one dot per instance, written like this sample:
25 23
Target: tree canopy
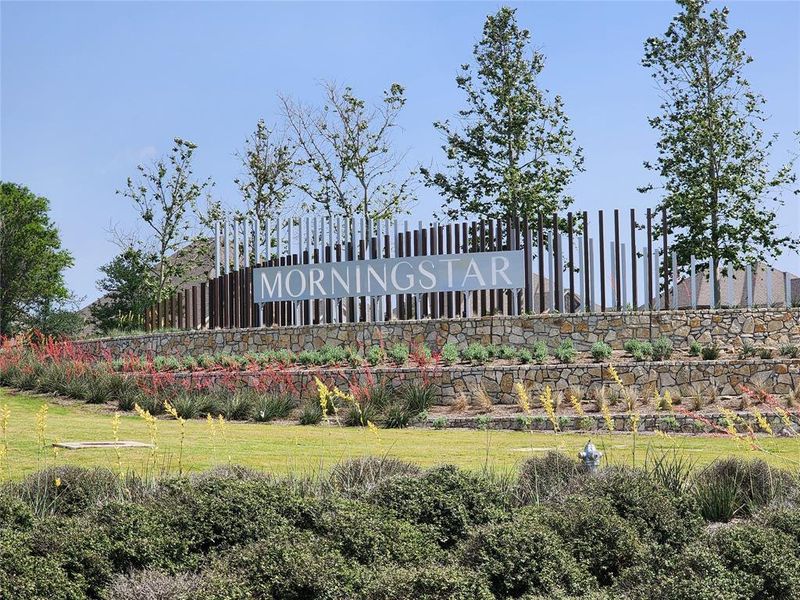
32 261
713 157
512 152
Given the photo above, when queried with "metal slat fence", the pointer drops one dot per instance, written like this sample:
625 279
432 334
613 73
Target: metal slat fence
572 264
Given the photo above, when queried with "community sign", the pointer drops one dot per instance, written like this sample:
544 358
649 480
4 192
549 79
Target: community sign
389 276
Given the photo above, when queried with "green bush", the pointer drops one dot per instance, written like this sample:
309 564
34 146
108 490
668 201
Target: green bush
765 353
524 356
286 564
523 556
25 575
694 573
369 536
565 352
657 513
662 349
768 560
375 355
695 348
445 499
789 350
601 351
748 350
475 353
539 351
638 350
398 353
449 354
427 582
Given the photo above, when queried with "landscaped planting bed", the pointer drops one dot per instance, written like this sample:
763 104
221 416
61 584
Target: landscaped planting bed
381 529
653 387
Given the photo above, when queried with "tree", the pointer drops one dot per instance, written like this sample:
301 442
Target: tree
166 197
270 172
513 154
346 149
719 193
129 288
32 261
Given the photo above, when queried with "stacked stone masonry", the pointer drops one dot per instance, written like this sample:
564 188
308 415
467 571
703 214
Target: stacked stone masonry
682 378
726 327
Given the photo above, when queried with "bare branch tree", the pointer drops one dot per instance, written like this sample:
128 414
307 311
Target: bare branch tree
346 149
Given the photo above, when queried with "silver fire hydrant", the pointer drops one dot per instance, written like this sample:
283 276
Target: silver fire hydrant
590 456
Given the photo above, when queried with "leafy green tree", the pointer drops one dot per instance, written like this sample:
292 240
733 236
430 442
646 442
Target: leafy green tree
270 172
166 197
129 288
32 261
718 189
513 153
345 148
56 317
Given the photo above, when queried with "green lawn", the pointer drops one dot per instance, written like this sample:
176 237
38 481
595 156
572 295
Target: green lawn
299 449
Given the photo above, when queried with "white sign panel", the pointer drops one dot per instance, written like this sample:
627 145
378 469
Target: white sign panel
389 276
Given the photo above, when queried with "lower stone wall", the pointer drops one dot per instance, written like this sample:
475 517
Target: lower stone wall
728 327
682 378
668 422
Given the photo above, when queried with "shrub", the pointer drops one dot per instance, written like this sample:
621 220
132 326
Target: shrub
287 564
783 519
445 499
525 356
506 352
428 582
695 349
475 353
523 556
375 355
710 352
396 416
767 559
309 357
638 349
311 413
357 476
399 353
284 357
790 350
439 423
152 584
653 510
662 349
565 352
539 351
370 536
543 477
603 542
449 354
694 573
601 351
27 576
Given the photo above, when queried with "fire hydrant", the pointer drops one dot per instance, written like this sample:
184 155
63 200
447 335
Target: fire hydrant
590 456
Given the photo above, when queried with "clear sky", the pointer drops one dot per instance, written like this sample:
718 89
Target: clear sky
90 90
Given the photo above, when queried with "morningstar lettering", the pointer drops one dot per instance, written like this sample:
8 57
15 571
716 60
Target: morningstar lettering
387 276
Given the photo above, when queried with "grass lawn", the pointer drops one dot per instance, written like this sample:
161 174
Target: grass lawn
303 449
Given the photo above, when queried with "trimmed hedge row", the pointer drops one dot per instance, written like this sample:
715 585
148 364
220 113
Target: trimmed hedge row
379 529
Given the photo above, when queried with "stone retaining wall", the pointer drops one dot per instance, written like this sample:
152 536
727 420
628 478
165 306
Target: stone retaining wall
728 327
668 422
682 378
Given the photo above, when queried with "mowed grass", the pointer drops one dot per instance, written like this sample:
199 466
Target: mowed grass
300 449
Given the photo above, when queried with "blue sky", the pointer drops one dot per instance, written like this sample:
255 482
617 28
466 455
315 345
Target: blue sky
90 90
